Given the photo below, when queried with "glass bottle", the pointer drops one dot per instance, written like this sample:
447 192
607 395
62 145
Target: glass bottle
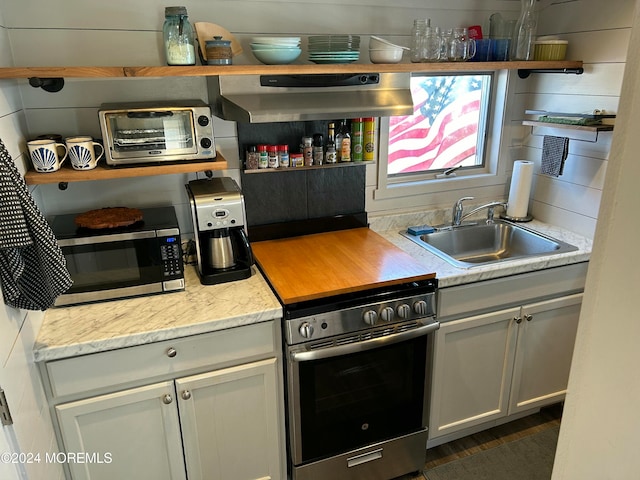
524 32
318 149
343 142
331 155
418 33
178 37
283 155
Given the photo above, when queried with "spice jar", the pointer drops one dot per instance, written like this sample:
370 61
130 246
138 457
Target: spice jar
178 37
218 51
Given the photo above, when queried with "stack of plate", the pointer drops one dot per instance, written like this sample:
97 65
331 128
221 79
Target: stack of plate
334 48
276 50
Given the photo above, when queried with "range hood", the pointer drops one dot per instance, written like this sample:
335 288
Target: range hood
290 98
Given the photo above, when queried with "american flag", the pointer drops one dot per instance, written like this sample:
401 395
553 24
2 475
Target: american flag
443 130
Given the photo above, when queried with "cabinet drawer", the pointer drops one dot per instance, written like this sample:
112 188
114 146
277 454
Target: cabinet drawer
508 291
145 363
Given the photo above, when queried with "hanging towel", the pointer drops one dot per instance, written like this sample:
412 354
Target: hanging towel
33 270
554 153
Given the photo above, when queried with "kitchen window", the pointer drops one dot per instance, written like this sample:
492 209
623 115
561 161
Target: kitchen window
457 122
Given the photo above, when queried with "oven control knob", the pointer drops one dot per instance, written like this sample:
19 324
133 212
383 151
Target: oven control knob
370 317
387 314
404 311
206 143
203 120
421 308
306 330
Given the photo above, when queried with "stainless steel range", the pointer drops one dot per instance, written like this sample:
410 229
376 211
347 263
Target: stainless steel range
357 375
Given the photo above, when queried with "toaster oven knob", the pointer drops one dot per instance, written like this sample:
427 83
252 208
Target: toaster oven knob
404 311
387 314
370 317
203 120
306 330
205 143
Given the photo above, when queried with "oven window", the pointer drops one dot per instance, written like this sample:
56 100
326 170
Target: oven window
353 400
142 132
105 266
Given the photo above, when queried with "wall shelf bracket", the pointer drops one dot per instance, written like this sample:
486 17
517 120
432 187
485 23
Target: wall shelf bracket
47 84
525 72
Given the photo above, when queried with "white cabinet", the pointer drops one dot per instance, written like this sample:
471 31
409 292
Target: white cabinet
493 365
546 336
174 415
503 361
133 434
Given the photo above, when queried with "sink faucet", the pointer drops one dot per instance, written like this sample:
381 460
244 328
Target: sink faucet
458 215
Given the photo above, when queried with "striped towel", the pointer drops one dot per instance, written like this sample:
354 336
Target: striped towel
33 271
554 153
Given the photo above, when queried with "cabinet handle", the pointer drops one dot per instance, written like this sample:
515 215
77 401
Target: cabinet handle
518 319
167 399
186 394
528 317
171 352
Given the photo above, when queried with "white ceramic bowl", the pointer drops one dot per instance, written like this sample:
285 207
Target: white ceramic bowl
377 43
277 56
385 55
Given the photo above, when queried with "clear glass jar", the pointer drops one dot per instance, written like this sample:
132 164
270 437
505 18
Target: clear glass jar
524 32
178 37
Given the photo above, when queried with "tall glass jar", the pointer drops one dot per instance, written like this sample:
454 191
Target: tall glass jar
524 33
178 37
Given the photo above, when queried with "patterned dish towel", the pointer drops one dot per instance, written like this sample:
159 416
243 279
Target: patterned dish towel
554 153
33 270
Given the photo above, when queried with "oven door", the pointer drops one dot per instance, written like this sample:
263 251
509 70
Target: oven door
345 397
114 266
150 134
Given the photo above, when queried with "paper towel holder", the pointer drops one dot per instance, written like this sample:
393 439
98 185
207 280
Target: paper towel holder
527 218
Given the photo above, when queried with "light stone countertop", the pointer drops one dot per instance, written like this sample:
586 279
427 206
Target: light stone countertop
91 328
96 327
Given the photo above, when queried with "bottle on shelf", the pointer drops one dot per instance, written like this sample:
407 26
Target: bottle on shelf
331 155
343 143
369 142
318 149
263 157
283 156
357 139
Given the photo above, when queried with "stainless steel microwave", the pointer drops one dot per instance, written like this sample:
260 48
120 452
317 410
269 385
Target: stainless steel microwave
136 133
115 263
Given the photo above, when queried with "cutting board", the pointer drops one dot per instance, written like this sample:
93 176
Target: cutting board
332 263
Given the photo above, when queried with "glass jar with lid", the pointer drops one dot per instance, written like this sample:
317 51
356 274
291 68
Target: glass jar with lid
178 37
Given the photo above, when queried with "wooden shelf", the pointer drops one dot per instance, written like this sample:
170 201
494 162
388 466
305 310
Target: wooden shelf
218 70
102 172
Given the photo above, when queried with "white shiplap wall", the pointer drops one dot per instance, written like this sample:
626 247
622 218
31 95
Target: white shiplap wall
32 430
600 37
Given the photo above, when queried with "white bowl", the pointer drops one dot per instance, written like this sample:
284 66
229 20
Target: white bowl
277 56
385 55
377 43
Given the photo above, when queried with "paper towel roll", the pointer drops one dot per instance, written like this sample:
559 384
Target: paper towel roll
520 189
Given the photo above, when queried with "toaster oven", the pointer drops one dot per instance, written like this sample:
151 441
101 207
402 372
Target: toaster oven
135 133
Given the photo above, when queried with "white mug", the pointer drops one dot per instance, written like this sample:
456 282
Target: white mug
44 155
82 152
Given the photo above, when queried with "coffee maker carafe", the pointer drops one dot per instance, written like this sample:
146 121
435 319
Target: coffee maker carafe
222 248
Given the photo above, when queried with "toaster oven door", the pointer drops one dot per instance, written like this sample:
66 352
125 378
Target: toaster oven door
151 135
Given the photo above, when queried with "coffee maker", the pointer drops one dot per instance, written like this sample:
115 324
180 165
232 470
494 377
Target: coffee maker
222 247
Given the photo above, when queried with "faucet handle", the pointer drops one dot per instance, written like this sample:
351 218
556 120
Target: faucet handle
456 217
460 200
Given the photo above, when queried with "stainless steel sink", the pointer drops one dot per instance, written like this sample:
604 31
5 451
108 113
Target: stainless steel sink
477 245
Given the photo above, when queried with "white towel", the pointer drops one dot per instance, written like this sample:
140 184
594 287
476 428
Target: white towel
33 271
554 154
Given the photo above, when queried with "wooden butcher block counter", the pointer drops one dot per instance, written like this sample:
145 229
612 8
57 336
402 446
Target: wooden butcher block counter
332 263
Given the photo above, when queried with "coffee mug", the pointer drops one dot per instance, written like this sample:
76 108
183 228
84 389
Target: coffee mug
82 152
44 155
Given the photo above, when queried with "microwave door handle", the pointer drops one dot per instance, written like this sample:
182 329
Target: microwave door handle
149 114
365 345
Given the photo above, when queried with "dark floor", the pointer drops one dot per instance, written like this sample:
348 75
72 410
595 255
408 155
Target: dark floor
548 417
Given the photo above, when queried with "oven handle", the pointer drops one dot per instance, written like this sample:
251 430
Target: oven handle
364 345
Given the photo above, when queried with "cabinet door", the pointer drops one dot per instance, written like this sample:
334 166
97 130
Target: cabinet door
543 353
473 359
231 423
136 433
